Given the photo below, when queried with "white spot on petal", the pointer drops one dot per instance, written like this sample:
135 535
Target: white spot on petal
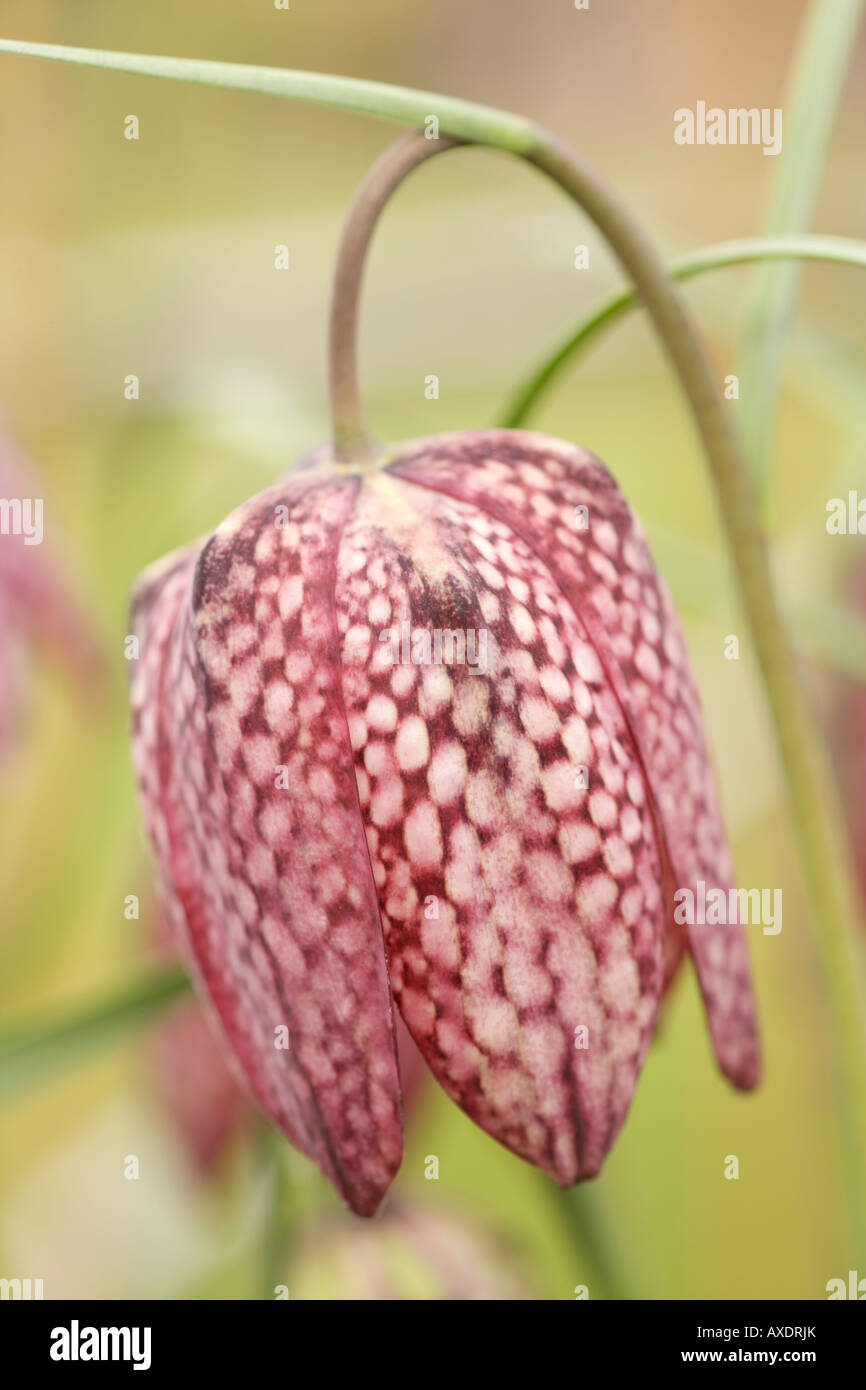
412 746
447 775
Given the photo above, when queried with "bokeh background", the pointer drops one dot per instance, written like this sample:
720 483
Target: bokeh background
156 257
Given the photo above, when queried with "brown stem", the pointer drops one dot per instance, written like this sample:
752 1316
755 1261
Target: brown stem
353 442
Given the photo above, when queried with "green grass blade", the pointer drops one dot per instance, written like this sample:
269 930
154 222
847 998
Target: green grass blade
465 119
840 250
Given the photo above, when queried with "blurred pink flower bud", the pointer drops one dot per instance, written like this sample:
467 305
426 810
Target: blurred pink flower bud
410 1253
37 601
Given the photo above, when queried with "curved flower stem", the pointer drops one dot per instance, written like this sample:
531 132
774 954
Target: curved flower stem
819 831
352 440
835 250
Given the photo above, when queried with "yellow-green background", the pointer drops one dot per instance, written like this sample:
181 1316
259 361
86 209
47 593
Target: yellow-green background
156 258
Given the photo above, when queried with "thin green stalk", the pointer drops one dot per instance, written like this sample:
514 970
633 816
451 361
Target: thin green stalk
580 1211
29 1055
811 104
279 1215
822 842
834 249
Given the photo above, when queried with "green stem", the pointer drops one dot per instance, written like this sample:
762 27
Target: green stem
30 1054
820 835
823 843
834 250
592 1235
276 1243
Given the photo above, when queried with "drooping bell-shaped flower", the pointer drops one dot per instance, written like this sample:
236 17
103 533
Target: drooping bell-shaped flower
425 732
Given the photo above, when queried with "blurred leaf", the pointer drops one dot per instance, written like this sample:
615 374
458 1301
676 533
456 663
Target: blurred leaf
811 104
832 634
28 1054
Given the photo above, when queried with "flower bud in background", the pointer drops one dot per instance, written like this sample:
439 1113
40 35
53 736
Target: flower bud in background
204 1100
409 1253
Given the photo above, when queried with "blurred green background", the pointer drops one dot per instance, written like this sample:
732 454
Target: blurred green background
156 257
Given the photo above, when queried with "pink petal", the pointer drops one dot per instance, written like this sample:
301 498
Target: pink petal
533 484
239 678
